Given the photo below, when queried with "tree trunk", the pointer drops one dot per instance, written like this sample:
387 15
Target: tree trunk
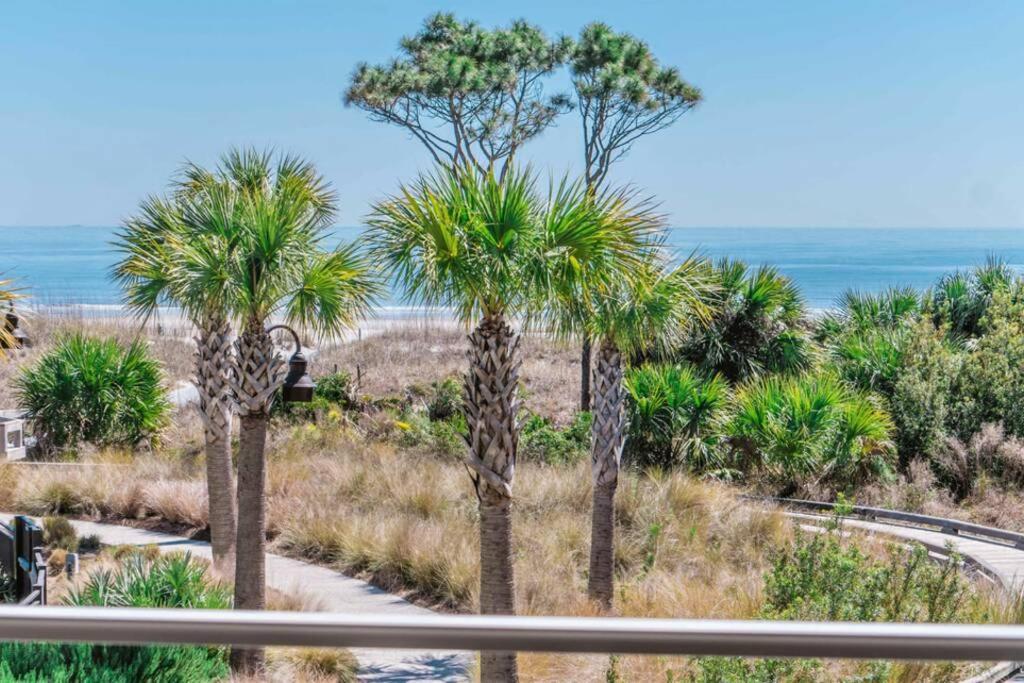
256 378
213 368
600 586
250 567
608 435
585 375
491 404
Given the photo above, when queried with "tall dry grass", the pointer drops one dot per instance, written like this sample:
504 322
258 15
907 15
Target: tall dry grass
393 358
407 521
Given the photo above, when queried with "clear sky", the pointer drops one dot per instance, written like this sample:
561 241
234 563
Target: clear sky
817 113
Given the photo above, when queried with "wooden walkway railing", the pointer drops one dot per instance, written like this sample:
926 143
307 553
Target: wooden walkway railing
21 561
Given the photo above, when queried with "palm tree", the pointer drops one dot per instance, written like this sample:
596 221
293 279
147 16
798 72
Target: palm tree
485 247
654 308
176 251
278 212
8 294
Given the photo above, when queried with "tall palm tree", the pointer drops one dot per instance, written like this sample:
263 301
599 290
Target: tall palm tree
280 211
176 251
652 309
484 247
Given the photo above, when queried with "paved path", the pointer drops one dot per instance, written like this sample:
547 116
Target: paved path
335 591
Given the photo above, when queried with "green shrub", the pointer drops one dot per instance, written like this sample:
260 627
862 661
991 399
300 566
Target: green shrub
990 387
674 417
174 580
77 663
921 398
959 301
541 441
811 426
827 577
90 543
93 390
443 437
757 327
444 400
337 388
58 532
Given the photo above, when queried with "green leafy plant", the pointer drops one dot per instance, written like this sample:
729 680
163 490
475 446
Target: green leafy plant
757 326
827 577
541 441
93 390
809 428
174 580
674 417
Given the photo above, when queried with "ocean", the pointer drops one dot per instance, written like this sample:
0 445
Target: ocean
70 264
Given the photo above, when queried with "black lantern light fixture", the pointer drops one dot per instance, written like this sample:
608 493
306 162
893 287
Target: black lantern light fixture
298 385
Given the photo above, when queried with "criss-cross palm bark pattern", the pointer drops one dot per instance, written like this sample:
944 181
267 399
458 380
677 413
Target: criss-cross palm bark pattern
491 406
213 360
608 436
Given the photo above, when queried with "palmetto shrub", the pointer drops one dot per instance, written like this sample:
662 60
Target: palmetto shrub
757 326
674 417
960 300
809 429
93 390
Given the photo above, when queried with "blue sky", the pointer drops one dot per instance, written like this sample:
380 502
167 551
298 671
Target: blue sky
817 113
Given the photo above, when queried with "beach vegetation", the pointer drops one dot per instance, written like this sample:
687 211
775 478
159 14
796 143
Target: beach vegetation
96 391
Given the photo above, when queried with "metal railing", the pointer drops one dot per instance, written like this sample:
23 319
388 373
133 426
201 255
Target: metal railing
947 526
131 626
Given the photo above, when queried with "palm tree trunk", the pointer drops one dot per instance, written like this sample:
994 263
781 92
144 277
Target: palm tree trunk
257 376
608 435
491 403
213 367
250 567
585 375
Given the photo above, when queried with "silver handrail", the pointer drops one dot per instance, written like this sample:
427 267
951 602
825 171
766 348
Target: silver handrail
128 626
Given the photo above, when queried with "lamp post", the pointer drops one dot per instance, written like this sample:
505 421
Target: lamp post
298 385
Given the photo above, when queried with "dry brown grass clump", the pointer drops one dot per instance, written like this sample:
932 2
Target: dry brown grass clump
393 358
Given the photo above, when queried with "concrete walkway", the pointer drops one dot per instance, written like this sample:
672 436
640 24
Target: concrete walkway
331 589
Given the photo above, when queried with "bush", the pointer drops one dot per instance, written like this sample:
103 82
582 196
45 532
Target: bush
990 387
674 417
172 580
826 577
337 388
169 581
810 427
541 441
89 543
95 391
922 398
445 399
757 326
72 663
59 533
